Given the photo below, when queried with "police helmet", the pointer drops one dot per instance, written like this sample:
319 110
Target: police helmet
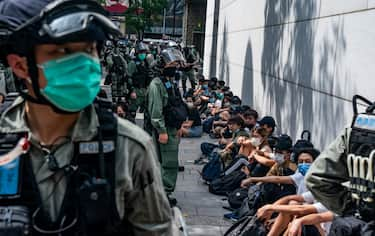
27 23
170 55
141 47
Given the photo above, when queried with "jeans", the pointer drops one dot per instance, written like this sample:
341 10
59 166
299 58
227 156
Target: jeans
207 148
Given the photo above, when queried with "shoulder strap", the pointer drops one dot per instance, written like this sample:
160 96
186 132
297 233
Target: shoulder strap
98 155
96 158
8 101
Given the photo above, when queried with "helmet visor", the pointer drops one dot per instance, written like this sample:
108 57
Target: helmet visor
73 23
172 55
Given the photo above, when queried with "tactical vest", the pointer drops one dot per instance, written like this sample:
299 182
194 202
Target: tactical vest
143 75
176 111
361 159
89 205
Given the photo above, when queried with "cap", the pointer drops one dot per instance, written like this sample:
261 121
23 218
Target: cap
236 100
284 143
312 151
268 120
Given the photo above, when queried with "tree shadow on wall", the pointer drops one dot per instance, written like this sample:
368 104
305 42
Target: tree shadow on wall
288 84
215 31
247 93
224 60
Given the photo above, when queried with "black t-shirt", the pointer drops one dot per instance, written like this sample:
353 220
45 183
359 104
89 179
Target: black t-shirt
257 169
195 117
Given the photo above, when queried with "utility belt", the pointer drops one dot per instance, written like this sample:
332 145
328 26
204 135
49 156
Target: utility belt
361 161
88 207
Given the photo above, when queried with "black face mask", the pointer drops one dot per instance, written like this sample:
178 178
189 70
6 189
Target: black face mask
250 126
169 71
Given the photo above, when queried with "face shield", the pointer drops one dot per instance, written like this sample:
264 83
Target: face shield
172 56
142 47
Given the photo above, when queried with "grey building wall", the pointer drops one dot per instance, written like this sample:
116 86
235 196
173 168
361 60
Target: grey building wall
300 61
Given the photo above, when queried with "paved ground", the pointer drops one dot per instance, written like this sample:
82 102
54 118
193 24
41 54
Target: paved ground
202 210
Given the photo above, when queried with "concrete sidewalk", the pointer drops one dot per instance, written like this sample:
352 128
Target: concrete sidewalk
202 210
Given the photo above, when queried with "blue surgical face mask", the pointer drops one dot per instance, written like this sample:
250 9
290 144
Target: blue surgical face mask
205 86
303 168
72 81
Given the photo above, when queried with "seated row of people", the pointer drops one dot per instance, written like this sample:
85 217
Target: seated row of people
261 174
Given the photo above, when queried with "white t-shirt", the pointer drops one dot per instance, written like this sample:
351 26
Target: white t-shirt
218 103
309 199
299 182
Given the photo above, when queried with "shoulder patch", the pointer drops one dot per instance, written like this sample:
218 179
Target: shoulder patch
364 121
93 147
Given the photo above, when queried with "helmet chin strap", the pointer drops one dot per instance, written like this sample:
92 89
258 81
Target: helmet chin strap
34 77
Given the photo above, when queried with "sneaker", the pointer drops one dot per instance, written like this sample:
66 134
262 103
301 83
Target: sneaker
197 161
201 161
231 216
204 161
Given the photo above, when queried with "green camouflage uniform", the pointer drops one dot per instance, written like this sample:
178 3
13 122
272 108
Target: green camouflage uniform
327 174
145 209
157 99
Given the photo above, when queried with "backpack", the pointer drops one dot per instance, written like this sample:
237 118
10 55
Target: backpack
236 197
247 226
252 203
176 111
272 141
260 195
213 168
227 184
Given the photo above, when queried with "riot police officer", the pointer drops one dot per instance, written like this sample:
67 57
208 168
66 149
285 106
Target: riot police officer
117 73
342 177
165 114
188 69
141 75
81 170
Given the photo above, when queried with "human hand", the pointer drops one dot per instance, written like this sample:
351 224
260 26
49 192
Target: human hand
251 156
179 132
264 213
240 140
246 142
246 182
295 228
163 138
133 95
259 152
